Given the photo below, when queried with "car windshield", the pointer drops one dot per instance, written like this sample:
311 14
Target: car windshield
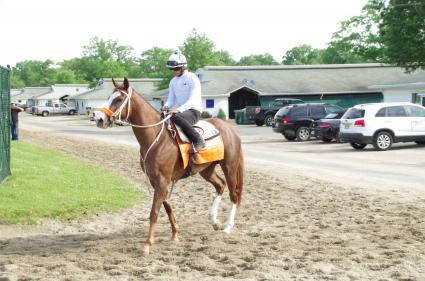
354 113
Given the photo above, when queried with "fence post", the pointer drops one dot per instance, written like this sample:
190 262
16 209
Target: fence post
4 124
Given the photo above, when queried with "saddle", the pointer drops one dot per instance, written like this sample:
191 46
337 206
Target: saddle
214 147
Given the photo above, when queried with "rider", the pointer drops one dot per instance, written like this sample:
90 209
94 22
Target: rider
184 98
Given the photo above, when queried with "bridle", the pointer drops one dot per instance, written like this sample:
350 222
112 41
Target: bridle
127 101
118 113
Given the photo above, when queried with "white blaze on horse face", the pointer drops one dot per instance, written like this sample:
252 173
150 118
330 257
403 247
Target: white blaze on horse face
114 95
214 209
107 104
230 220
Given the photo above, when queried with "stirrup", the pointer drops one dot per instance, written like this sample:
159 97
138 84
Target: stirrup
198 146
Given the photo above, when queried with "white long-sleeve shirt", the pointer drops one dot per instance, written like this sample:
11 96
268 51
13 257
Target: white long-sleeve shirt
185 92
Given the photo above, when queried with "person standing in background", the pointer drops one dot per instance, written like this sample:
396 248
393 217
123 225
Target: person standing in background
14 111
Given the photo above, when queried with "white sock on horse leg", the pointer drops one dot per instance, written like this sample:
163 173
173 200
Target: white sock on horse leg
214 209
231 220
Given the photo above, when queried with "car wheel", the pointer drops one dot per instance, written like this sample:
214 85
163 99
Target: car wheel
45 113
420 142
288 137
303 134
357 145
268 120
259 123
71 112
382 141
326 140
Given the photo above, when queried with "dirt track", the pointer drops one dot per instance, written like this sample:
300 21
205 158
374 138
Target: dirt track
300 229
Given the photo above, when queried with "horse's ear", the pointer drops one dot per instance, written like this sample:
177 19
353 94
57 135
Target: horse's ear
115 83
126 83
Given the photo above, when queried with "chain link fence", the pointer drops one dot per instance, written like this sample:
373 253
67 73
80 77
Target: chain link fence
4 123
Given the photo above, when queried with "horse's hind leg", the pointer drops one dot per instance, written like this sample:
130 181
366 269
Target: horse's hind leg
210 175
172 218
234 178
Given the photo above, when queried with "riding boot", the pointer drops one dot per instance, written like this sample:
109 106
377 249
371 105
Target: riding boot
194 136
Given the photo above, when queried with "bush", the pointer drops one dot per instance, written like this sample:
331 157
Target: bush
221 115
205 114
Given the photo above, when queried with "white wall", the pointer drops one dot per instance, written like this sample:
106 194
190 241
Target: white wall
94 104
219 102
400 95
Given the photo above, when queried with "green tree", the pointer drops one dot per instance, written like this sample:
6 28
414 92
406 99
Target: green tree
302 54
357 39
35 73
261 59
199 51
64 76
224 58
152 64
16 82
403 32
108 50
101 59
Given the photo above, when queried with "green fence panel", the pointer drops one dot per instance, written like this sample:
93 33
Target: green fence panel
4 123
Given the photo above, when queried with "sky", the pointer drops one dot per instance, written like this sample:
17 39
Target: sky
58 29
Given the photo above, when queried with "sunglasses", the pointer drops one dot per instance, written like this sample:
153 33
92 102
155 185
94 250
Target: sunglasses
176 69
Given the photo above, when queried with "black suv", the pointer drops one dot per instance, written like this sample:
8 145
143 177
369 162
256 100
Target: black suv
295 121
264 114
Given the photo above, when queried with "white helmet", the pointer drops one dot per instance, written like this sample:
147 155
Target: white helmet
177 59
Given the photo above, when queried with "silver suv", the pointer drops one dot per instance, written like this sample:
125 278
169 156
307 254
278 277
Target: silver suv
383 124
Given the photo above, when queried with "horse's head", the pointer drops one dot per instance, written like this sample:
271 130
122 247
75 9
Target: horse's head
117 107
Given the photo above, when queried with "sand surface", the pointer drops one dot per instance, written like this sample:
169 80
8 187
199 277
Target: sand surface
287 228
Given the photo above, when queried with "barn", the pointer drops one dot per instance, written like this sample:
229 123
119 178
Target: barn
234 87
62 93
28 95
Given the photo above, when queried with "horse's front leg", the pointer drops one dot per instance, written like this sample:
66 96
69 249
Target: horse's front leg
158 199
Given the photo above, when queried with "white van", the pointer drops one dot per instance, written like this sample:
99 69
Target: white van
383 124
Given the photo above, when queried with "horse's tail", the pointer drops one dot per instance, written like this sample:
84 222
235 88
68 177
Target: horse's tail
240 173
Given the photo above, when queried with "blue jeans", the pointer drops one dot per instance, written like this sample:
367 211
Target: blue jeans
15 130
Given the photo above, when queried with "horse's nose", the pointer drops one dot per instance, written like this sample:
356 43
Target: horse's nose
99 123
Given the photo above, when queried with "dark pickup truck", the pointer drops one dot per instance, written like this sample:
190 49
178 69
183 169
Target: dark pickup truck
264 114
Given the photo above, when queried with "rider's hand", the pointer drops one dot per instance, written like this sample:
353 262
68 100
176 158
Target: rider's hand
173 110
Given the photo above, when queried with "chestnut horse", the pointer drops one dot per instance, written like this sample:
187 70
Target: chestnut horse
162 162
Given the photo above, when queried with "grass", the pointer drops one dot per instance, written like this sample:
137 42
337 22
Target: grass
47 184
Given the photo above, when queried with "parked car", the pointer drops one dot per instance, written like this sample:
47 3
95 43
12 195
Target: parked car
383 124
327 128
295 121
53 108
264 114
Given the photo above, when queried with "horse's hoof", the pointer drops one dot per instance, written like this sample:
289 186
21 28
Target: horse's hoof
145 250
175 238
227 230
216 226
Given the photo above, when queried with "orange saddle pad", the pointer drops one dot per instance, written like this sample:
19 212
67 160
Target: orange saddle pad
213 151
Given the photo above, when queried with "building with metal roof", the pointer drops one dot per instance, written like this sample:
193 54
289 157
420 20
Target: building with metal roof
95 98
234 87
28 95
62 93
